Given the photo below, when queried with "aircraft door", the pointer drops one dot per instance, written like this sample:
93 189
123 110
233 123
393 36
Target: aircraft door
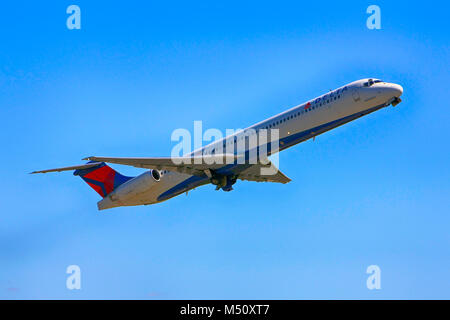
355 94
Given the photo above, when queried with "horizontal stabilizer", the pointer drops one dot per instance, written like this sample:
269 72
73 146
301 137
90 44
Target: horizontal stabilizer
81 166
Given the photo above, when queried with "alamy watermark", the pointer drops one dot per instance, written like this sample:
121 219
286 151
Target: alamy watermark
237 146
73 281
374 280
74 20
374 20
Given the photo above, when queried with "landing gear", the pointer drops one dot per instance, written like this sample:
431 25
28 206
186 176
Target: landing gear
396 101
223 182
219 181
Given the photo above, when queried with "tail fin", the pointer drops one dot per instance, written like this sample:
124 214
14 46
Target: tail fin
102 178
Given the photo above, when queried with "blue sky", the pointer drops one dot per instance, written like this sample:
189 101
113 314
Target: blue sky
376 191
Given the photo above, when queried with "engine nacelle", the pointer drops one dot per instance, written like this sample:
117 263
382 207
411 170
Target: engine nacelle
135 186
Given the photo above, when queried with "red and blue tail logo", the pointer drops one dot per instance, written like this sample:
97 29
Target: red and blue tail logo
102 178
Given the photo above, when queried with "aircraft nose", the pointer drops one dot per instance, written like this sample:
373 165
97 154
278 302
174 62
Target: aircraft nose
397 89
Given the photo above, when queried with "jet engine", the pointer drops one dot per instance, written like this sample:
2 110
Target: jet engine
135 186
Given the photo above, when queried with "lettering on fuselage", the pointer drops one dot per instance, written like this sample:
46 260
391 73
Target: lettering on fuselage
331 94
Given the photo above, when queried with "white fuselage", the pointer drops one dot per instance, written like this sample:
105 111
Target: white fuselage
295 125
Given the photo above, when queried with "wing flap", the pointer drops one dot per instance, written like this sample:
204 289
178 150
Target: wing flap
263 173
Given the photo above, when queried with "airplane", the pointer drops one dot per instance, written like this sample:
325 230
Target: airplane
168 177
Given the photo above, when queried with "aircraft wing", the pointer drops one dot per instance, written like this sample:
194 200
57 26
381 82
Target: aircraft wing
188 165
263 173
196 165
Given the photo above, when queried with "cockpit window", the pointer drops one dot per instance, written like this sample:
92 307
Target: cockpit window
370 82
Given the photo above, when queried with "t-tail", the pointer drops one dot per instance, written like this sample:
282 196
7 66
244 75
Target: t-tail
102 178
98 175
